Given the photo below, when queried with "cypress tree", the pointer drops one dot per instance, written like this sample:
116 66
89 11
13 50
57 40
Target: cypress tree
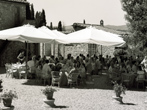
84 21
32 12
43 18
51 25
59 26
37 20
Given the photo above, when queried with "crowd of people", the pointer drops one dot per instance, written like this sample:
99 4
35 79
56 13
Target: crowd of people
84 66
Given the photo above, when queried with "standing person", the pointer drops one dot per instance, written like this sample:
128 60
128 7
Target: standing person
46 72
32 64
21 57
144 63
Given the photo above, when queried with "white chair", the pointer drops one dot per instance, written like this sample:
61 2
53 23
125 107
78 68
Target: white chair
22 72
140 80
55 78
38 75
9 70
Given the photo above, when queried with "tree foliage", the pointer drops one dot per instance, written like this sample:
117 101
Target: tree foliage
136 15
40 19
84 21
51 25
59 26
32 12
43 17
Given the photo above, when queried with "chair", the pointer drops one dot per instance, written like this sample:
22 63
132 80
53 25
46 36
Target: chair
140 80
126 79
73 79
32 72
22 72
38 75
55 78
9 71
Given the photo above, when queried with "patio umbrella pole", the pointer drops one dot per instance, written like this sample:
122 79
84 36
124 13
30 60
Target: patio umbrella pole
101 50
54 49
26 60
101 54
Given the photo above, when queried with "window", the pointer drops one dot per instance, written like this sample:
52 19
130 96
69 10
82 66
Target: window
92 49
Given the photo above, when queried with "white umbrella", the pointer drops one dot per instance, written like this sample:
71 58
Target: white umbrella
59 34
26 33
94 36
54 33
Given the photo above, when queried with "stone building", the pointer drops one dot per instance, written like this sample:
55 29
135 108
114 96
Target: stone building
13 13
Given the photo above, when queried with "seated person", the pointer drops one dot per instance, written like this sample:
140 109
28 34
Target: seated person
63 76
21 57
110 70
74 69
144 64
134 67
129 68
122 68
46 72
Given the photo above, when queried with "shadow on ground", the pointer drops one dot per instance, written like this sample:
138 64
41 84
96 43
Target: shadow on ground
97 82
59 106
128 104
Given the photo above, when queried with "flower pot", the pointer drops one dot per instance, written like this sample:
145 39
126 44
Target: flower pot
7 102
49 96
118 94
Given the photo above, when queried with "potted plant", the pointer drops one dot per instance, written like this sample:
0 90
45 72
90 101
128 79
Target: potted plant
7 97
48 92
119 89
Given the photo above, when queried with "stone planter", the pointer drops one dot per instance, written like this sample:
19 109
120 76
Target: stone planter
49 100
7 102
49 96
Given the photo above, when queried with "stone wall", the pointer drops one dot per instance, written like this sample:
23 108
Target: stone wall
77 49
11 14
10 53
105 50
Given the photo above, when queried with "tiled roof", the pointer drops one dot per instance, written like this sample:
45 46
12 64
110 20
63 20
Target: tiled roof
79 26
17 1
68 29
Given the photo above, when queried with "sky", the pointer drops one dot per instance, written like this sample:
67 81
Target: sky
75 11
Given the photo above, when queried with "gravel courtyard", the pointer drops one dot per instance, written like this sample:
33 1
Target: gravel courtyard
31 97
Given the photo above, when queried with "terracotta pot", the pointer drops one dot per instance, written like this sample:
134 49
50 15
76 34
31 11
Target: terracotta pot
7 102
49 96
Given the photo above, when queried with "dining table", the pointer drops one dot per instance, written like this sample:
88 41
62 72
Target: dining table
17 68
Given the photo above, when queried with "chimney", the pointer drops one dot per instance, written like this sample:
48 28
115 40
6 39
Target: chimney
101 23
84 21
